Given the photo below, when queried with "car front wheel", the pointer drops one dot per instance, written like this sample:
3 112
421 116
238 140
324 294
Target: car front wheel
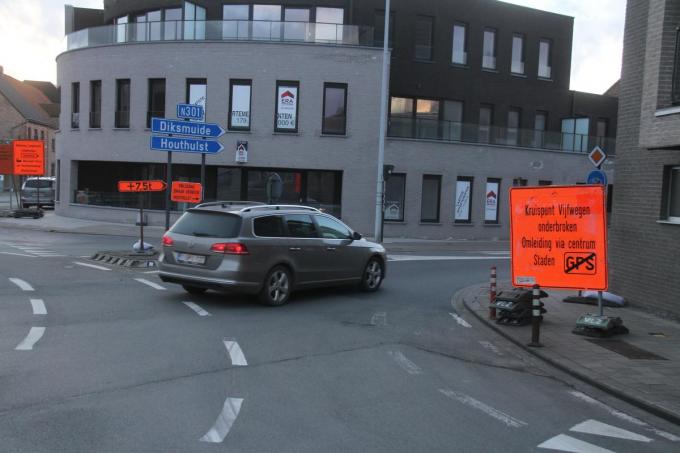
277 287
373 275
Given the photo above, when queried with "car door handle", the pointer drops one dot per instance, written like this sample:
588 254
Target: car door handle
294 249
331 249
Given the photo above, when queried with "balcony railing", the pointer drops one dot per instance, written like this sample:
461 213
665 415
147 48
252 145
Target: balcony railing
222 30
450 131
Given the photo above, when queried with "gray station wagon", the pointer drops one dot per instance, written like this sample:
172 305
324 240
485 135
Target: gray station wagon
269 250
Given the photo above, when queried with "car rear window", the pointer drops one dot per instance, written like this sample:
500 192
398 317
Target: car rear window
38 184
208 224
269 227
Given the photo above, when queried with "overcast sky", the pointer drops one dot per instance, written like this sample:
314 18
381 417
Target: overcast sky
32 35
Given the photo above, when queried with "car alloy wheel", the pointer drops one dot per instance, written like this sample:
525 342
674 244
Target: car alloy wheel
373 275
277 287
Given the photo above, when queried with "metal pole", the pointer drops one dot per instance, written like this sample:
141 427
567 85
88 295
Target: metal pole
383 125
167 191
492 293
536 317
600 303
141 221
38 206
202 169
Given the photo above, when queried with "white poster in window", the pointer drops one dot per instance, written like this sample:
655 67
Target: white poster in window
463 189
393 210
286 117
491 202
240 106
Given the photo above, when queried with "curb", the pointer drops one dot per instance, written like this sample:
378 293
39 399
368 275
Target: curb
637 402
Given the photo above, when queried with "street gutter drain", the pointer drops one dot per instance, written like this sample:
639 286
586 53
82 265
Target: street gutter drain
627 350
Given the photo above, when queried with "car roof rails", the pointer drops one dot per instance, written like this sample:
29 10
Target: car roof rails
225 204
277 207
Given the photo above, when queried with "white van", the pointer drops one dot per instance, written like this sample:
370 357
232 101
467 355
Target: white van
38 192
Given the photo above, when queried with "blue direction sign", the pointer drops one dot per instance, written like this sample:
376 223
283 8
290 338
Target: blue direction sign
175 127
185 145
597 177
190 112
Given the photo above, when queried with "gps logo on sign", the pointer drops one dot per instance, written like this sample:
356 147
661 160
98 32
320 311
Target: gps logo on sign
287 98
580 263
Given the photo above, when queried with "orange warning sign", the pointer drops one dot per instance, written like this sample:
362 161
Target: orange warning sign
28 157
558 236
141 186
186 192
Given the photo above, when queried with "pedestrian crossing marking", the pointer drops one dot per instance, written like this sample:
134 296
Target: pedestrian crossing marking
571 444
603 429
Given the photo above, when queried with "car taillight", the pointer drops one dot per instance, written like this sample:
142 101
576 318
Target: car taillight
230 248
167 241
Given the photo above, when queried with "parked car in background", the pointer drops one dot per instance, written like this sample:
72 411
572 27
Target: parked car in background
269 250
38 192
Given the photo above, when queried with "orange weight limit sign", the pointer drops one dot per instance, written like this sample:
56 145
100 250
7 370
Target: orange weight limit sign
186 192
141 186
559 237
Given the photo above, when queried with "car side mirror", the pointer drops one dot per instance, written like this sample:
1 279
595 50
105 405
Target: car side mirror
356 236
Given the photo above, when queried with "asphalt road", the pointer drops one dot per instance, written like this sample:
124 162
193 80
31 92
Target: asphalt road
112 360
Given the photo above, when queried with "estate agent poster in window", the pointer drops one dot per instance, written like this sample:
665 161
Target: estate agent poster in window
491 202
286 108
463 200
240 106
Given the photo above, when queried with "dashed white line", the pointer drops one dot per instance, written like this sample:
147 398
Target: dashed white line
21 284
151 272
491 347
571 444
93 266
443 258
151 284
199 311
603 429
460 320
379 319
17 254
31 339
224 422
235 353
406 364
492 412
38 307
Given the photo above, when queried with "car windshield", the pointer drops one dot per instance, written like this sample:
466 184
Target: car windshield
208 224
38 184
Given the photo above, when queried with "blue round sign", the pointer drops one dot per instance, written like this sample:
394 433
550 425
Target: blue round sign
597 177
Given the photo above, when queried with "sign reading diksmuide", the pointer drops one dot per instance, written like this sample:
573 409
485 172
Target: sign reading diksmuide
286 112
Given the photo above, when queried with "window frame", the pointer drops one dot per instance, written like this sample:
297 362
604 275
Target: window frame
335 85
95 88
522 59
150 99
549 58
495 48
119 84
466 30
437 178
668 196
675 84
403 198
498 181
288 84
75 106
471 181
240 82
420 19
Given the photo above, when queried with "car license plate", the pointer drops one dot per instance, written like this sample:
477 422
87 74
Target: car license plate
188 258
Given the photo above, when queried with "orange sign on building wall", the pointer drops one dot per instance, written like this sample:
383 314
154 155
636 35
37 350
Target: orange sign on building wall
559 236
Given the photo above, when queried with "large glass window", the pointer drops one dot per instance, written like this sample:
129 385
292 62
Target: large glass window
140 28
485 122
463 204
672 195
122 119
296 23
401 117
517 65
379 29
334 109
96 104
197 92
453 120
491 200
430 198
427 118
544 59
266 22
323 190
602 126
235 21
424 32
395 194
156 100
489 52
121 29
540 126
459 52
154 20
329 23
172 27
75 106
512 133
575 134
287 102
194 21
240 104
675 89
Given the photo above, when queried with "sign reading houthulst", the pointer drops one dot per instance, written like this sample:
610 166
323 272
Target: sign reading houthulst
559 236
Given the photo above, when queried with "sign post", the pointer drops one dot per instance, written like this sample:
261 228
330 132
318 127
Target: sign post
141 187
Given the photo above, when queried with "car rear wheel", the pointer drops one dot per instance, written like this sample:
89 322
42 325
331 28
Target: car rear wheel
193 289
277 287
373 275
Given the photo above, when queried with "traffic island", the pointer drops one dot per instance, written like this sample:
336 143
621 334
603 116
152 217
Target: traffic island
127 259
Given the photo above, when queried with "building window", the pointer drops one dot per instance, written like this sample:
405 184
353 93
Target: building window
512 132
540 125
266 22
95 104
453 120
519 182
122 119
430 198
489 52
194 21
492 200
156 100
329 23
427 119
517 66
287 106
601 128
379 29
42 136
401 117
424 29
672 194
334 109
240 104
675 90
544 182
395 195
121 29
172 26
459 52
544 59
296 23
485 122
75 106
154 20
575 134
235 23
463 206
197 93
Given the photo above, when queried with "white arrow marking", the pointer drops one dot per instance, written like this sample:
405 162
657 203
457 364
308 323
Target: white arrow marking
93 266
568 443
406 364
235 353
21 284
379 319
31 339
151 284
509 420
224 422
460 320
603 429
38 307
199 311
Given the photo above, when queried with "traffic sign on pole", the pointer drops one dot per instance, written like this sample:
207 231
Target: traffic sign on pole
597 177
185 145
190 112
186 192
597 156
176 127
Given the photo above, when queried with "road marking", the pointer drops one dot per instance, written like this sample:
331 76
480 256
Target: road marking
443 258
38 307
235 353
224 422
93 266
151 272
500 252
603 429
31 339
17 254
379 319
21 284
491 347
151 284
476 404
199 311
568 443
406 364
460 320
624 416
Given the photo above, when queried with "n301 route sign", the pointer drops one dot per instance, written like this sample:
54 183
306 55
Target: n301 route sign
175 127
559 237
190 112
142 186
186 192
185 145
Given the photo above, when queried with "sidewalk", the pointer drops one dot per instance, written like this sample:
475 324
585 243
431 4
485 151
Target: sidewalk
652 384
